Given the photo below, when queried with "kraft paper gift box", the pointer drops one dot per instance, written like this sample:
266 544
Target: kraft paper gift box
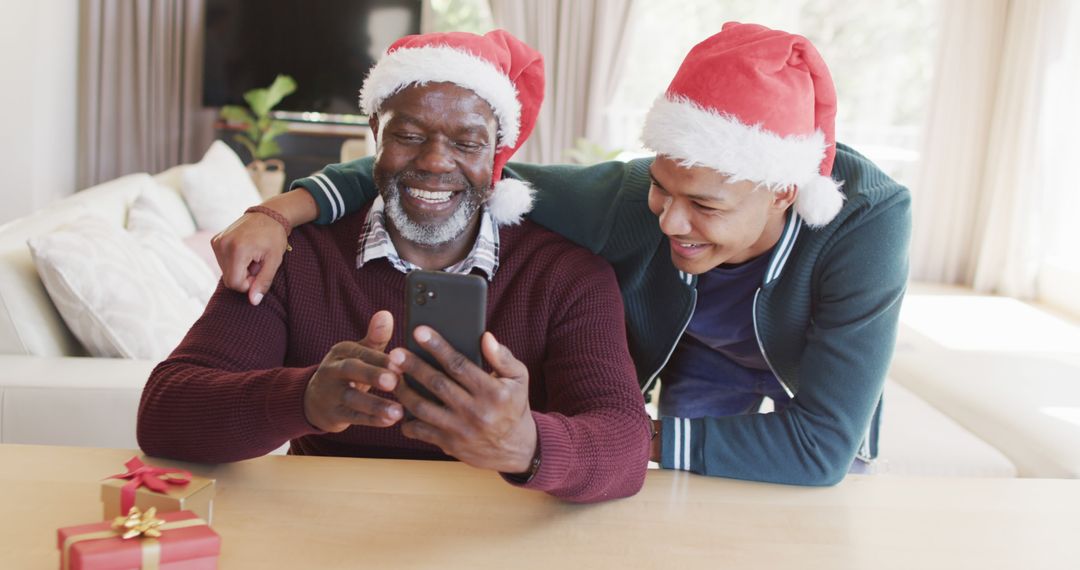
165 489
169 541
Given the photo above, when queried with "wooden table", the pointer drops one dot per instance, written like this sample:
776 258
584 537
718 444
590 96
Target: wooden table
308 512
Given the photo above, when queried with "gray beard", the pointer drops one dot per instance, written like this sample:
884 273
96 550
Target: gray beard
429 234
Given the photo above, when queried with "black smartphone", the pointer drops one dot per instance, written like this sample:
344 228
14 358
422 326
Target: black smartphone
454 305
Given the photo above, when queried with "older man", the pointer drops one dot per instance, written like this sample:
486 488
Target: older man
560 410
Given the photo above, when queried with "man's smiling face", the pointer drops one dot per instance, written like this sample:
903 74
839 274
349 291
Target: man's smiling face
434 161
710 220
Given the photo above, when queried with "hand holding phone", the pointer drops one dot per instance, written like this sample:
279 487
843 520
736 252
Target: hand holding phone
486 419
339 394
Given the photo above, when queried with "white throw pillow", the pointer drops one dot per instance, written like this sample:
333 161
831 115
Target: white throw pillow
165 204
199 242
155 236
218 188
143 216
118 300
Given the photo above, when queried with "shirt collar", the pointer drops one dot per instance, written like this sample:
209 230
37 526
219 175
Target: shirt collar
375 243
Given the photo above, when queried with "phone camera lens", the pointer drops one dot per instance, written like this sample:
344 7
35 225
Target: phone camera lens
421 287
421 299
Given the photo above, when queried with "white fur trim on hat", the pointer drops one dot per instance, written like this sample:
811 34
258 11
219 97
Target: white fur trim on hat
694 136
510 200
409 66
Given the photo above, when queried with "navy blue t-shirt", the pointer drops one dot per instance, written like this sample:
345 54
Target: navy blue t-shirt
717 368
724 317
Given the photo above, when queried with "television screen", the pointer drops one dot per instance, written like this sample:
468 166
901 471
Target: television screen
327 46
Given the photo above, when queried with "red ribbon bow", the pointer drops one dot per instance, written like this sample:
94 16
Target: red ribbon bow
151 477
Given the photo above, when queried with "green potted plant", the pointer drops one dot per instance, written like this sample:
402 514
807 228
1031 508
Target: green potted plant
261 130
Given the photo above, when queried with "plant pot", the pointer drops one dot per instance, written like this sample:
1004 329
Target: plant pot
268 176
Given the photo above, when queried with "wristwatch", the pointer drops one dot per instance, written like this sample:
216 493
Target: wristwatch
527 476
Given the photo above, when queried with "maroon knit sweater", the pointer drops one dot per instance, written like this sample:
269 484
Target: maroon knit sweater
234 388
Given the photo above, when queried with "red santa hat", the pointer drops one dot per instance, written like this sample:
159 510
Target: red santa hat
498 67
755 104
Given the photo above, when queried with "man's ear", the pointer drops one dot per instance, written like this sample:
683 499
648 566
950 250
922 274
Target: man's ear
373 122
783 199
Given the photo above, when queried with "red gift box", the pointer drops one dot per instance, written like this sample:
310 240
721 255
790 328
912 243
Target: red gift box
186 543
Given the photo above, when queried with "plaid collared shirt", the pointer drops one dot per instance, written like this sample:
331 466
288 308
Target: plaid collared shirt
375 243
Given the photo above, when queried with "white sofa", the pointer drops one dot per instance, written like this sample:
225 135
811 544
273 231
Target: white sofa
1005 370
51 392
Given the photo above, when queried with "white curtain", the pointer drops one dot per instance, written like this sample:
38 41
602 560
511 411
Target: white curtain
139 87
979 198
584 44
954 154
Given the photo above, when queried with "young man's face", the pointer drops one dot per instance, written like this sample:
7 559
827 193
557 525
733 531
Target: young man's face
434 161
710 220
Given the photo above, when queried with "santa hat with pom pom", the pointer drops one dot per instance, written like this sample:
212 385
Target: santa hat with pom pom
498 67
755 104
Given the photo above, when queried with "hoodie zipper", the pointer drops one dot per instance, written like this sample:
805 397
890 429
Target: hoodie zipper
761 347
674 345
787 244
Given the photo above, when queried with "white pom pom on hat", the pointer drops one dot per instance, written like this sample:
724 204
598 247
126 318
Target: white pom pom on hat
510 201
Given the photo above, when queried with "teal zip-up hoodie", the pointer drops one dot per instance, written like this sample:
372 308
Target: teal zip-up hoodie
825 315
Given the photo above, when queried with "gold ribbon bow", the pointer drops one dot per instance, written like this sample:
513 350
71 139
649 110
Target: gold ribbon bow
139 524
146 526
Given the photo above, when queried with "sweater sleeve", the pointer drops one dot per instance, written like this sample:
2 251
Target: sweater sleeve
842 370
340 189
223 394
594 434
596 192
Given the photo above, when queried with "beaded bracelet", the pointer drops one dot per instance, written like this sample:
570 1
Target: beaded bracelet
276 216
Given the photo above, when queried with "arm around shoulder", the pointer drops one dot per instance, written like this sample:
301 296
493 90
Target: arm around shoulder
250 250
581 202
340 189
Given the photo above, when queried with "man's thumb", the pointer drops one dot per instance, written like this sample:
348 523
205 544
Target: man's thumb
380 329
502 362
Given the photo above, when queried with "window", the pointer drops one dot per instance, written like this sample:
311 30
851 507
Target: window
1059 277
458 16
881 56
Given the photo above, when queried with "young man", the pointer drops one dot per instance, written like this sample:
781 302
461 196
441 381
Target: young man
776 269
559 411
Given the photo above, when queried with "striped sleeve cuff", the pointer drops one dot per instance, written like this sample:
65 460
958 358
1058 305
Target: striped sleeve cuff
682 443
326 188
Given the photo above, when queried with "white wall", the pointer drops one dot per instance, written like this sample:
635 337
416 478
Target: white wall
38 73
